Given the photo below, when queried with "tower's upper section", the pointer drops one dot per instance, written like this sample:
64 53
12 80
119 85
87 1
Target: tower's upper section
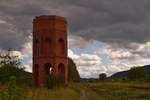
50 22
49 36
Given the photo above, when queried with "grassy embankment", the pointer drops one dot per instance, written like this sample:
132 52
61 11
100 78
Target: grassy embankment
92 91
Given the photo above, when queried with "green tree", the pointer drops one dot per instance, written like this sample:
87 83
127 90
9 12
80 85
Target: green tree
73 74
102 76
10 65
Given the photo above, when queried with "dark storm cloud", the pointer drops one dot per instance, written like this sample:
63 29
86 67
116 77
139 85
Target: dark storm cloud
111 21
17 23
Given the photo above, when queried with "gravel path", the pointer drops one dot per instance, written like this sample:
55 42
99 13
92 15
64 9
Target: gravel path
83 95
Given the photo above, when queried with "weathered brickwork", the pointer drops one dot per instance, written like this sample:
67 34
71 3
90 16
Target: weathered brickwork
49 48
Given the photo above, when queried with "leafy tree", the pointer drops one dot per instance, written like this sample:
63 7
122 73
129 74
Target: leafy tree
102 76
10 65
73 74
8 58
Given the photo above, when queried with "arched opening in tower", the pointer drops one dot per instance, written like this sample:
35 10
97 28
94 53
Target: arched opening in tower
61 46
48 70
61 70
36 74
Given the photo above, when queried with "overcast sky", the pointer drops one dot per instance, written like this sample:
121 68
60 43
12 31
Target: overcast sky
104 36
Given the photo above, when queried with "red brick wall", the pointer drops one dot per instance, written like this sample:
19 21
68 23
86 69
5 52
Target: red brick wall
49 46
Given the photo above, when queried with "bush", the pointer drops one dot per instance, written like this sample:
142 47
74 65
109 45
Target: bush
11 66
56 82
6 71
103 76
73 74
13 92
4 95
60 81
49 82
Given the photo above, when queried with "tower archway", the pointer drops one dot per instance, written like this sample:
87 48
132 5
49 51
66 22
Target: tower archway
48 71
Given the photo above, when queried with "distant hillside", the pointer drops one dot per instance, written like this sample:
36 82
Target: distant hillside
25 74
124 74
88 79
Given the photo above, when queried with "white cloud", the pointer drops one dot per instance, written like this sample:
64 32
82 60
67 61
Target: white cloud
2 21
72 55
27 55
121 59
28 68
88 65
17 53
114 53
77 42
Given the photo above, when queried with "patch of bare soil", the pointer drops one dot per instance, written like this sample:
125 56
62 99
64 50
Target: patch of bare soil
83 95
141 88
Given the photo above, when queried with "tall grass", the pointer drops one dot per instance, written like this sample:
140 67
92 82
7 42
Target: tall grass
53 94
108 90
118 91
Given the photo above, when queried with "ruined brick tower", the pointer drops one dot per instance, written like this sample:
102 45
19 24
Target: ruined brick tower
49 49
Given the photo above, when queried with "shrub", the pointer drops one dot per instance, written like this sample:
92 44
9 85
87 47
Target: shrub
103 76
58 81
49 82
13 92
11 66
4 95
73 74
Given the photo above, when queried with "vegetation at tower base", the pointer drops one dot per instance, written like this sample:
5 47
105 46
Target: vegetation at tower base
49 82
55 82
73 74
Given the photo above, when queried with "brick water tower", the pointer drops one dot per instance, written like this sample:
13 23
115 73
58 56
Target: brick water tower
49 49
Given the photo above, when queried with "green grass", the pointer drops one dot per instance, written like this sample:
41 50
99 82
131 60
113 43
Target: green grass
120 90
54 94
